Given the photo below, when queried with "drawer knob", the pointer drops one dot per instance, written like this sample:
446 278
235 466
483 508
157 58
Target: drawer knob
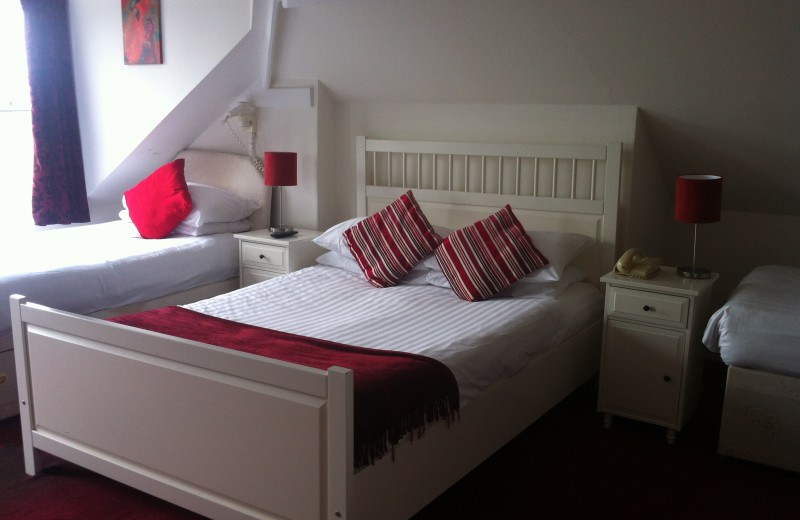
261 256
646 308
667 379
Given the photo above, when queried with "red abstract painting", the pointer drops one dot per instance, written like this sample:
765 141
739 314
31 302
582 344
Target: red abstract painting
141 31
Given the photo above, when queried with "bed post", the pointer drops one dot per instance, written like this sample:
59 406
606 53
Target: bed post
339 450
32 459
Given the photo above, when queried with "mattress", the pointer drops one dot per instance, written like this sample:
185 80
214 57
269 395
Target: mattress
88 268
480 342
758 327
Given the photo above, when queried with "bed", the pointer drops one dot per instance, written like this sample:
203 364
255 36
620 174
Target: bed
231 435
757 335
108 269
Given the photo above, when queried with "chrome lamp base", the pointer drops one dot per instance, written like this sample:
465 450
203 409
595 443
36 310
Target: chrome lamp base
281 229
697 273
692 271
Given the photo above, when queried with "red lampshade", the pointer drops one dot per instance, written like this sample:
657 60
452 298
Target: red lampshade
280 169
698 199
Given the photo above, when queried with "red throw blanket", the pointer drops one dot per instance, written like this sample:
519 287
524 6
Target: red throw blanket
395 393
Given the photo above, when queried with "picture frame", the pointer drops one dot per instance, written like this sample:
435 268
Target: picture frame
141 32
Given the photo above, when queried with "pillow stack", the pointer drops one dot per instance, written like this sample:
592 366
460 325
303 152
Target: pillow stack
164 203
492 257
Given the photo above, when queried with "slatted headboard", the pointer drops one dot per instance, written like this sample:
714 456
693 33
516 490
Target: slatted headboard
567 188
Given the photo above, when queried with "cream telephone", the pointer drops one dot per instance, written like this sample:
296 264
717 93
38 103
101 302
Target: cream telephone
636 264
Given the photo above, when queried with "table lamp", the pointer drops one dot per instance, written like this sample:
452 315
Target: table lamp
698 200
280 169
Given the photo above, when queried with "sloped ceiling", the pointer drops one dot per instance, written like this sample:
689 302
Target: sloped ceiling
717 81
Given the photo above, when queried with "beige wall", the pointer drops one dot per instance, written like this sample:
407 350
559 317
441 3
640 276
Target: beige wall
741 241
514 104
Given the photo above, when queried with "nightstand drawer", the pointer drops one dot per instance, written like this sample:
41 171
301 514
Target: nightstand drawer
651 306
251 276
264 255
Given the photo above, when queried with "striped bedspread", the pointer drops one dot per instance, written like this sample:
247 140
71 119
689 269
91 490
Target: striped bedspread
480 342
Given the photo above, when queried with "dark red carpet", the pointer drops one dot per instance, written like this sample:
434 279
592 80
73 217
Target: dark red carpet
566 466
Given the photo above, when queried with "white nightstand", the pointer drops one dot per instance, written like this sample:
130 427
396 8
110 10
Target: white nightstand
262 257
652 359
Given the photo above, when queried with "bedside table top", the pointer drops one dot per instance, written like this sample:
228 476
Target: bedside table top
666 279
262 235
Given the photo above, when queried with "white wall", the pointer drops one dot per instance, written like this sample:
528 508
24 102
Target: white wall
120 105
450 76
739 242
717 81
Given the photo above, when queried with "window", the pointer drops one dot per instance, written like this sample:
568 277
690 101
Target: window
16 140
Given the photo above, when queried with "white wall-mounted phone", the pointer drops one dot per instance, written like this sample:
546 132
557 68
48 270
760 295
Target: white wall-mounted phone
246 114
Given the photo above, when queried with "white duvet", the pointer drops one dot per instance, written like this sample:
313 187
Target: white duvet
759 326
479 341
88 268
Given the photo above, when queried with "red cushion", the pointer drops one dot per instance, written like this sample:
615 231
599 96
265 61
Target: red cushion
160 202
388 244
482 259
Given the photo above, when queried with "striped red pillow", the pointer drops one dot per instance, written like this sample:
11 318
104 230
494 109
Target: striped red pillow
388 244
482 259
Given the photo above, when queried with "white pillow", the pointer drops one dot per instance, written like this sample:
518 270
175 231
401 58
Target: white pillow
522 288
332 240
415 277
211 228
333 259
553 289
559 248
437 278
211 204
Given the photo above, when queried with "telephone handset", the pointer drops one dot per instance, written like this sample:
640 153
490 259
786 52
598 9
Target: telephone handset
636 264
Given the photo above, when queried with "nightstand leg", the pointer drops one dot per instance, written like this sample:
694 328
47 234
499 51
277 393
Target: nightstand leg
607 420
671 434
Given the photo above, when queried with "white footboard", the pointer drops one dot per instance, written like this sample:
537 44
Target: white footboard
223 433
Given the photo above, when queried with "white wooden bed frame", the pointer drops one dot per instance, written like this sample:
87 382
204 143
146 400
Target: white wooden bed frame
761 411
231 435
233 172
761 418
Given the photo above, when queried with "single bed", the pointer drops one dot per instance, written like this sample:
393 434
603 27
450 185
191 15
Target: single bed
232 435
757 334
108 269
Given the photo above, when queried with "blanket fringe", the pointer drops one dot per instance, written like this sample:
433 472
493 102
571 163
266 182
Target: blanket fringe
412 425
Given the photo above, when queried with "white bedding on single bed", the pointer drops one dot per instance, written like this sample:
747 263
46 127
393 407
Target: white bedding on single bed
759 326
88 268
479 341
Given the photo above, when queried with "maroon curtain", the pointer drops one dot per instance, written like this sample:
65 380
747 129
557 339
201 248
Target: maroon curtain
59 187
